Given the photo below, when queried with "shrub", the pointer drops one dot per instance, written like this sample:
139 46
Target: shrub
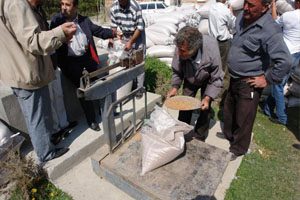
157 76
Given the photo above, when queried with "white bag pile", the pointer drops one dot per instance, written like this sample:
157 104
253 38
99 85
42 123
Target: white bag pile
162 26
162 139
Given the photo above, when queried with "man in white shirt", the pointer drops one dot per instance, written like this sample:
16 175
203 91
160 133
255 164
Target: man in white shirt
290 23
221 25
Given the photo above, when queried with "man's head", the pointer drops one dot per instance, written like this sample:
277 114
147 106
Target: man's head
254 9
124 3
69 8
188 40
297 4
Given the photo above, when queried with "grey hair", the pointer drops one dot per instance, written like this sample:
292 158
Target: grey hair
191 36
266 2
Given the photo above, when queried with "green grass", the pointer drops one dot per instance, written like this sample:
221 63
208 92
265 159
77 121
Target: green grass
272 170
42 190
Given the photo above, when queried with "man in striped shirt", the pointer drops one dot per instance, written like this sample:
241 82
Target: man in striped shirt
127 15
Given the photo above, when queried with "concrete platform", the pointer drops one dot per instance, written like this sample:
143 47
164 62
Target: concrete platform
83 141
195 174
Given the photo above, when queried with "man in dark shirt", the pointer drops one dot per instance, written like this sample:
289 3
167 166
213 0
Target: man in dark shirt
257 42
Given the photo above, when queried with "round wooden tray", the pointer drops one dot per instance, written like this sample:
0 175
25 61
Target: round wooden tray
182 103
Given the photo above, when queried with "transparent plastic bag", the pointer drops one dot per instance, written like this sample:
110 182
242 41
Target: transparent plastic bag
162 139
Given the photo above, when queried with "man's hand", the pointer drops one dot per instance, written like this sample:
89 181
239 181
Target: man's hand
172 92
205 103
128 45
258 81
69 29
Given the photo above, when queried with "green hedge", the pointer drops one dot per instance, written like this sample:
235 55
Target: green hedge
157 76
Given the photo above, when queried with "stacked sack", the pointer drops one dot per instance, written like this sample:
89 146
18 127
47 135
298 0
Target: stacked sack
162 26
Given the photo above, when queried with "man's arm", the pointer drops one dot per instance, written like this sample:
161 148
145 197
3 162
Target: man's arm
29 35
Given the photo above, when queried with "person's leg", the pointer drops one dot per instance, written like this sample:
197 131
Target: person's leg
36 107
188 90
280 102
229 112
224 48
269 105
246 102
202 125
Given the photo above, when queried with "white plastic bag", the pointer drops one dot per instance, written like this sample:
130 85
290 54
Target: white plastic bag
162 139
78 44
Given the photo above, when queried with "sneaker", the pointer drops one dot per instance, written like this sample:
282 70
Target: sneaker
276 121
57 152
95 126
139 95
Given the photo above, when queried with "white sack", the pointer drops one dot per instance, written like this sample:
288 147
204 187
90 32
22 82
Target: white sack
203 26
149 42
164 27
159 38
162 139
167 60
160 51
236 4
158 29
204 9
283 6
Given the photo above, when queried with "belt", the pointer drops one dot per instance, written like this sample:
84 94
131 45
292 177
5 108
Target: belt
244 79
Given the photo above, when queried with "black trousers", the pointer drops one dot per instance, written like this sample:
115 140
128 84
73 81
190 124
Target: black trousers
239 114
73 71
202 124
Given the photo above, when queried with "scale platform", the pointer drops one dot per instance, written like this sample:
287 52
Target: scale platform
195 174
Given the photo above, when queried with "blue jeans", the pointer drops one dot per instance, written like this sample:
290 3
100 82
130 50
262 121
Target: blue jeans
276 100
36 108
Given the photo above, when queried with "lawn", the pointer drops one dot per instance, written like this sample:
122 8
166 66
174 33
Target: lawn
272 169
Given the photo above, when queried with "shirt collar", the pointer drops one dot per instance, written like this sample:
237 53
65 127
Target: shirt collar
197 60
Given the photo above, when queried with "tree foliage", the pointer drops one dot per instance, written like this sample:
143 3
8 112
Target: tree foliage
86 7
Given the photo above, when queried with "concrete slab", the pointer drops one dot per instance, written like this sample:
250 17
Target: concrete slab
194 175
83 184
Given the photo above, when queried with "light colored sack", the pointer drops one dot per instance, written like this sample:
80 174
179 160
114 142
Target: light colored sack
283 6
158 29
160 39
160 51
162 139
167 60
203 26
149 42
236 4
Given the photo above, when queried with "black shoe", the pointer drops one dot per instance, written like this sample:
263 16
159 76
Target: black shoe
60 135
139 95
95 127
296 146
57 152
220 135
233 157
276 121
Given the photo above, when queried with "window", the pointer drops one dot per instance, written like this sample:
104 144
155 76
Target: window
151 6
144 6
160 6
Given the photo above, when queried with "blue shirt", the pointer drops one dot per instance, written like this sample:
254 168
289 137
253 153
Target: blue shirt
255 47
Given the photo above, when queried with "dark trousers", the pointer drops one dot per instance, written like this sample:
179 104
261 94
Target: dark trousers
239 114
73 72
202 124
224 48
